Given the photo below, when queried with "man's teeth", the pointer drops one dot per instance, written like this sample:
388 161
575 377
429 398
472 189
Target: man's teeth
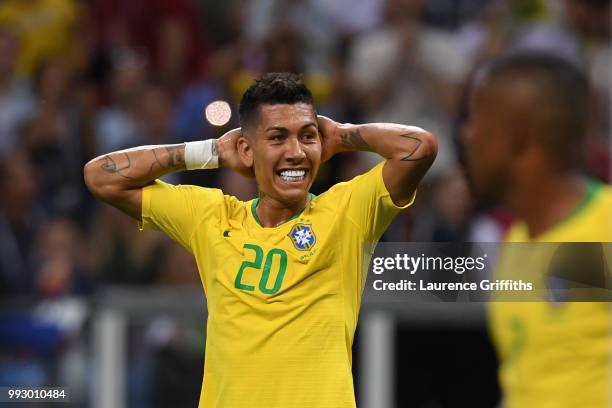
293 175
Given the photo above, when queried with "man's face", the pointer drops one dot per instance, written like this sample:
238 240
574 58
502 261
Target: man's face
488 142
285 149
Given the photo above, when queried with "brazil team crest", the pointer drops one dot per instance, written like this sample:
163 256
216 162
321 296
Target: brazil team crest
302 236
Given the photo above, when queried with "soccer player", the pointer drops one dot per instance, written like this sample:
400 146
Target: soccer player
525 137
283 273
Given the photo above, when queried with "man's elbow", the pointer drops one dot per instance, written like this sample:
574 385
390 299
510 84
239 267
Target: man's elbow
95 181
89 175
429 146
420 146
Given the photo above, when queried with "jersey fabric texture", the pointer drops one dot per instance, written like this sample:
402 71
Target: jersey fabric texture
557 354
283 302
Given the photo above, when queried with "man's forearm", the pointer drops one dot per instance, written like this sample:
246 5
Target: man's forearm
392 141
134 168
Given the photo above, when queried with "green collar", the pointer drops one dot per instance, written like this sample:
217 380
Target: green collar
593 187
256 203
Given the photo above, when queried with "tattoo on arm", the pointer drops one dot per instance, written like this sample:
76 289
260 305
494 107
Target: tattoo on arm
175 157
121 163
156 161
110 166
353 140
413 148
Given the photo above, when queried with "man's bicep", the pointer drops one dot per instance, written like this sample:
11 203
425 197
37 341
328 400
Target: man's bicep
127 201
402 180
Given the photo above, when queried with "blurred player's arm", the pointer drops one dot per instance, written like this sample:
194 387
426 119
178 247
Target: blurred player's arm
409 150
117 178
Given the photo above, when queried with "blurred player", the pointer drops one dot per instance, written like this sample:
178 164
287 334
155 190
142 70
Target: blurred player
283 273
525 135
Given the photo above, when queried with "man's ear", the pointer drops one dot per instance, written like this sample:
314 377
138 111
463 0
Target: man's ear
245 151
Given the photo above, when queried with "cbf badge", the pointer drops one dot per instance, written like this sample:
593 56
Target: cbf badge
302 236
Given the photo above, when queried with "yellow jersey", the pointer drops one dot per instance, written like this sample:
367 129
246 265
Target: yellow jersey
556 354
283 302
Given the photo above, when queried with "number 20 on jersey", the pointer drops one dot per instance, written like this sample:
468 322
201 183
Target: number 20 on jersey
264 281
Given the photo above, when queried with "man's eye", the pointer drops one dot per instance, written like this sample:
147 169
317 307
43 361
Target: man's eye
309 136
277 138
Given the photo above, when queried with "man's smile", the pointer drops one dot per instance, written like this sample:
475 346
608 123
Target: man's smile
296 175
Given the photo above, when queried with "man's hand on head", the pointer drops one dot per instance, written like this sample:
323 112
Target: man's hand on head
227 146
330 141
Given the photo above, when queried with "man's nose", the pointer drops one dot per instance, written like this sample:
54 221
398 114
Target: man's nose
295 150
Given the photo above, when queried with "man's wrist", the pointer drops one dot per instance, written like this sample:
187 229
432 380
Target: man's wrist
202 154
348 138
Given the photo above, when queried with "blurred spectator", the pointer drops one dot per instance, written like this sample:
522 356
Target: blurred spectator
407 73
86 99
215 83
164 32
179 268
123 255
452 207
154 119
590 23
116 125
15 99
269 18
51 139
63 262
44 28
350 16
155 115
220 79
20 218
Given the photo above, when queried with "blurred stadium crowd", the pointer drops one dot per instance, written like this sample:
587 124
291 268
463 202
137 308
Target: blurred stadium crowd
82 78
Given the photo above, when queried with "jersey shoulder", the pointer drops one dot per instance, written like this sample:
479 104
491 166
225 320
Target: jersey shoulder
591 222
370 180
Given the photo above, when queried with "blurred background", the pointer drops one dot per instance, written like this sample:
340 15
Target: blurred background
89 302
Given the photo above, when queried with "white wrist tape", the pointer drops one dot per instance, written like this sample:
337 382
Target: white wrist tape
201 155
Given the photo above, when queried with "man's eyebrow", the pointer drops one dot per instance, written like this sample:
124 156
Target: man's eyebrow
284 129
279 128
309 124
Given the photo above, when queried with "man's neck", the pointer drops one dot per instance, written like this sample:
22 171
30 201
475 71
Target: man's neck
542 205
272 213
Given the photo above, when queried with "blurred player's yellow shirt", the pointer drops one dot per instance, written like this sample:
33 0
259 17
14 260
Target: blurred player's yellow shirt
557 354
283 302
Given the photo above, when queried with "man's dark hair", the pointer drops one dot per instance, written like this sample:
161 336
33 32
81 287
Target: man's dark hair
563 119
272 89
